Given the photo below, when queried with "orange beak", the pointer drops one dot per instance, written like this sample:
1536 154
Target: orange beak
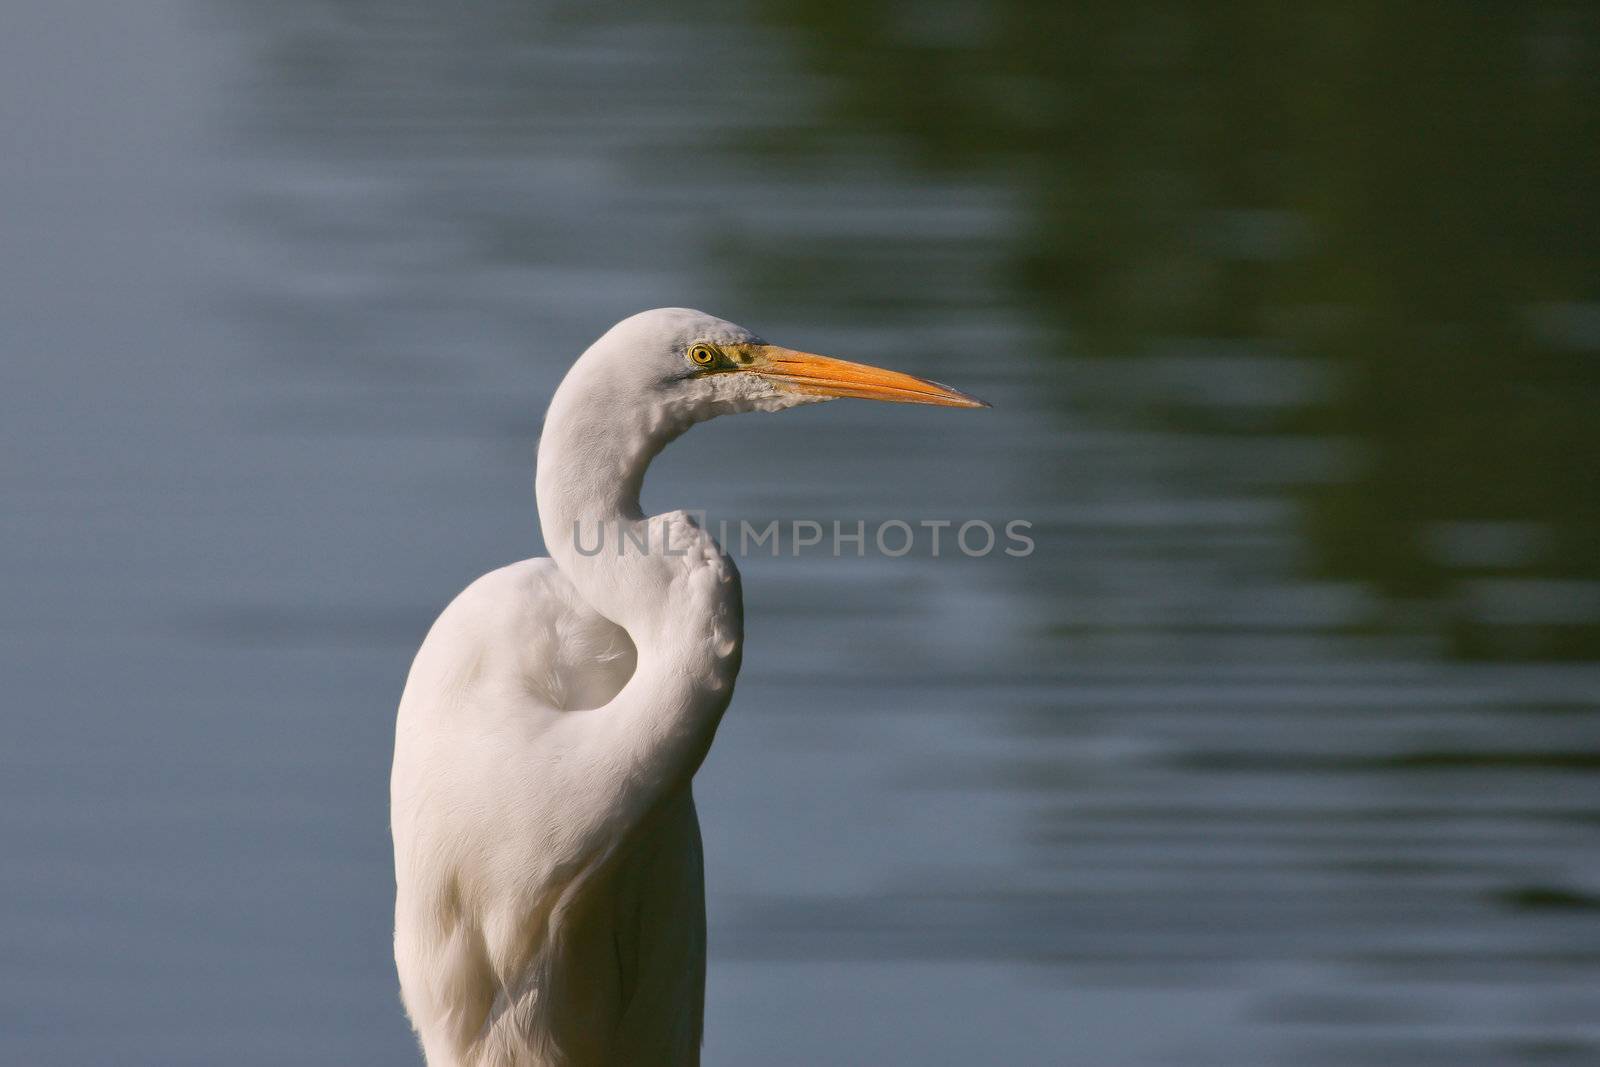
812 375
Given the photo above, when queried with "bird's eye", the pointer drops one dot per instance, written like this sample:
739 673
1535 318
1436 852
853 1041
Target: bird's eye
702 355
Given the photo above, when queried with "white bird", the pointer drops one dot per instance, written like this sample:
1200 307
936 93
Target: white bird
549 905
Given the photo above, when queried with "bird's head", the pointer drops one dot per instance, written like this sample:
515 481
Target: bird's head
696 366
648 379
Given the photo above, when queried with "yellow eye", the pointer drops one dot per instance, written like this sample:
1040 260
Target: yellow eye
702 355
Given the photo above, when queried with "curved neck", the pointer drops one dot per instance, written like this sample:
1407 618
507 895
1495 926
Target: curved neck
591 462
682 609
597 443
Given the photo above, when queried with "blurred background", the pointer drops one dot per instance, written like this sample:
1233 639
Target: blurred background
1281 747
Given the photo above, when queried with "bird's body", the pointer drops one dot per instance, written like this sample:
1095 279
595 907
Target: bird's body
549 906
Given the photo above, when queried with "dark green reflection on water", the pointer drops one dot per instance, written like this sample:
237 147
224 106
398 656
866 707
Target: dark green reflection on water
1406 192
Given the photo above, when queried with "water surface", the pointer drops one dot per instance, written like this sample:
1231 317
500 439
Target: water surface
1279 748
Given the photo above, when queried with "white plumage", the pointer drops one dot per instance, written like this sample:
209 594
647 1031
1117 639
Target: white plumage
549 904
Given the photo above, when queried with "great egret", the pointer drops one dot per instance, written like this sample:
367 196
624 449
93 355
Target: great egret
549 905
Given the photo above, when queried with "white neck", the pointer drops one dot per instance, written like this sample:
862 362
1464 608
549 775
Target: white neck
592 462
682 612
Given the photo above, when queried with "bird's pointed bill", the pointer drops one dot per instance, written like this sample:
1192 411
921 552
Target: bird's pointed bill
813 375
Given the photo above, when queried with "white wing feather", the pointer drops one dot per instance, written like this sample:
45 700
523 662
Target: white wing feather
502 930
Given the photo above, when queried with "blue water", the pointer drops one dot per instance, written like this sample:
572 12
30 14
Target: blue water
285 290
